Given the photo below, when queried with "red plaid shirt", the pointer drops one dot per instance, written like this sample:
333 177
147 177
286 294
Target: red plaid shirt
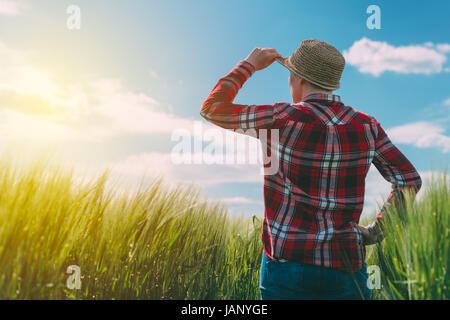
325 150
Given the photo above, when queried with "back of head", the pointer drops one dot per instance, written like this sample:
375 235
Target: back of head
318 62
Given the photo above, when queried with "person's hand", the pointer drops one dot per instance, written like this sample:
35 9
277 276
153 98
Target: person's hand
369 236
261 58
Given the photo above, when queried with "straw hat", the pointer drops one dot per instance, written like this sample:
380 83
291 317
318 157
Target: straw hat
317 62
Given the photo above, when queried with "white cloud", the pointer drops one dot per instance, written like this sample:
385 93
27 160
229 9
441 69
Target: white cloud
378 189
11 8
153 164
35 108
376 57
427 178
36 111
132 112
443 47
446 102
238 200
421 134
37 129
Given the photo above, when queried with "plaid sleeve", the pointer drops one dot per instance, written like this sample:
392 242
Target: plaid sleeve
219 108
393 165
395 168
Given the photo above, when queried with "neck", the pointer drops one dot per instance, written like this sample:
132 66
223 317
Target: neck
311 91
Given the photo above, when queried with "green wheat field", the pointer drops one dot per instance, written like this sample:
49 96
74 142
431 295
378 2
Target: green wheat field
156 242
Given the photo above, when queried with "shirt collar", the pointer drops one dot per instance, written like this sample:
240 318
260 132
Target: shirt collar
323 97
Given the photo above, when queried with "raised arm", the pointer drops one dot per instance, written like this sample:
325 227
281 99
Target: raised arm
219 108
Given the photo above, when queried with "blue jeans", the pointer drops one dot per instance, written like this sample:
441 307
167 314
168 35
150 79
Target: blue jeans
297 281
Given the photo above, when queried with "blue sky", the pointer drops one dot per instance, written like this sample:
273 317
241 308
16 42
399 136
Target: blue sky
113 92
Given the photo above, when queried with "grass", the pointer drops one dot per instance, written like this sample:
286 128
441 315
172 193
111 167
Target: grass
151 243
156 242
414 257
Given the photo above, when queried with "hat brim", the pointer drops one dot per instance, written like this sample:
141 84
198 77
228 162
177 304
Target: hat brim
284 62
287 64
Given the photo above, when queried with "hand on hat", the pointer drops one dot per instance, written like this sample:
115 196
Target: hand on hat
261 58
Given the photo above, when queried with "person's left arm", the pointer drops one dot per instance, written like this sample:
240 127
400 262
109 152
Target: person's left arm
219 108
